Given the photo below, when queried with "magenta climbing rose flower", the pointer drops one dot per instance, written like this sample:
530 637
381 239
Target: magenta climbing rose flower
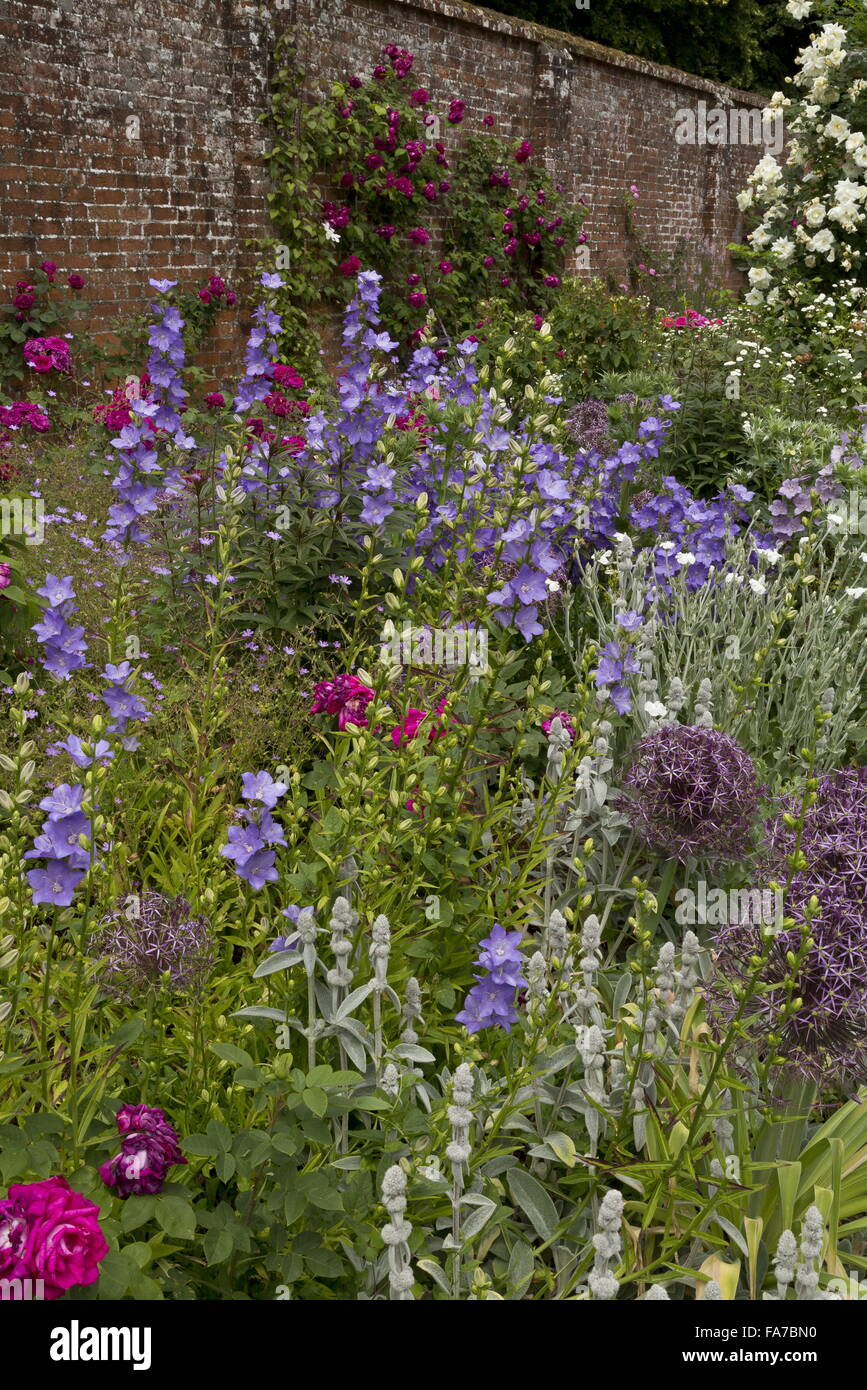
61 1242
149 1147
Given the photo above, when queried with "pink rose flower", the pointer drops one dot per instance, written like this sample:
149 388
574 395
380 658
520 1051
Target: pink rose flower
63 1243
149 1147
408 727
346 697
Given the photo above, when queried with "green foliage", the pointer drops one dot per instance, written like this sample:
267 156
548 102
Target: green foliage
746 43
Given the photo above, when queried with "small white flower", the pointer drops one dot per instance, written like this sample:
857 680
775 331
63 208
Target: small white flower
773 557
758 586
552 586
856 593
655 709
330 234
685 557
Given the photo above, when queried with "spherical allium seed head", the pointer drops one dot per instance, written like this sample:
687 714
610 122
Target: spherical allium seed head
151 941
692 792
588 425
827 1038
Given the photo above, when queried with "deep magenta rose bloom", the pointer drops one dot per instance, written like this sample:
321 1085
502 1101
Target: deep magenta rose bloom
13 1230
150 1146
63 1244
75 281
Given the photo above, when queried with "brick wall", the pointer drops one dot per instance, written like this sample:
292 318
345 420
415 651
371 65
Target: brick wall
179 200
182 199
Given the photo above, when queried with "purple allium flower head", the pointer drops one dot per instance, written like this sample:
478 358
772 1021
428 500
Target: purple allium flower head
588 425
150 941
827 1038
692 791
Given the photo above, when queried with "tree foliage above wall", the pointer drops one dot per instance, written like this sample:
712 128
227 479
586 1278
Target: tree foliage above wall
746 43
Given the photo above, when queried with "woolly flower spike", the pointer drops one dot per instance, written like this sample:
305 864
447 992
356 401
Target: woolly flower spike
343 921
806 1273
827 1037
656 1294
784 1262
411 1010
556 936
152 942
460 1119
712 1292
608 1246
380 950
396 1233
692 791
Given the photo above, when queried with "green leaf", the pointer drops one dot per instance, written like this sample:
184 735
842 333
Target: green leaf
115 1272
176 1217
280 960
230 1053
217 1246
563 1147
315 1099
531 1197
221 1135
260 1011
136 1211
521 1266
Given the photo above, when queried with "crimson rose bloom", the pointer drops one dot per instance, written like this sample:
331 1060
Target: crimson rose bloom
149 1147
62 1243
75 281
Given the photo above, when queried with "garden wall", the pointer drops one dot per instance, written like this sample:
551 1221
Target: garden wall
179 189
